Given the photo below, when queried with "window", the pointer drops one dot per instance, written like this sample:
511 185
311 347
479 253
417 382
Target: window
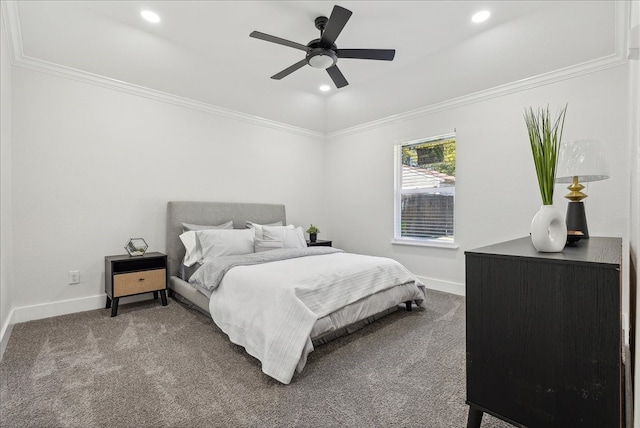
425 185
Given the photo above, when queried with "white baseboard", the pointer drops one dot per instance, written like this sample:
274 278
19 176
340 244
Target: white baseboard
5 333
64 307
625 327
54 309
440 285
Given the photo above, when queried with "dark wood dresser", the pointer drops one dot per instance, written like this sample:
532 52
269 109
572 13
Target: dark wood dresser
544 335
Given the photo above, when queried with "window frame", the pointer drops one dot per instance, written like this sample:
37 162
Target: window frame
397 196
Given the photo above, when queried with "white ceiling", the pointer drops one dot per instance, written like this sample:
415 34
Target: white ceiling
201 50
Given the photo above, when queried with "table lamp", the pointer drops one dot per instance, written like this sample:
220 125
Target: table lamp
580 161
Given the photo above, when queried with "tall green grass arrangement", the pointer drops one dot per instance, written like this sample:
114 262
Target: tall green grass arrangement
545 140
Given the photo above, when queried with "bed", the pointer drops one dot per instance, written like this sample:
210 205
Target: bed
284 302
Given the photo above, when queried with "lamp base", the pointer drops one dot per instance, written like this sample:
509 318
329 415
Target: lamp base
576 218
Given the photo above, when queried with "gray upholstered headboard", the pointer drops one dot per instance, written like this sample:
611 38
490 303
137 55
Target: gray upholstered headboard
213 213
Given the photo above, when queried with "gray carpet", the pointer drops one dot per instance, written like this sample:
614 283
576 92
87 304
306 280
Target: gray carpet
155 366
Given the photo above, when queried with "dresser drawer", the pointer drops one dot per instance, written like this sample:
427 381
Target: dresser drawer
125 284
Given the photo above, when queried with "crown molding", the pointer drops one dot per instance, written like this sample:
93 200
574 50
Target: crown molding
19 59
12 29
132 89
618 58
498 91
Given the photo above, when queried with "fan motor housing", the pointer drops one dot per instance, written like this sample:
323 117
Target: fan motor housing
320 55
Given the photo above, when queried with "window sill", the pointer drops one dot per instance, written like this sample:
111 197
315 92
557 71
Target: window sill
426 243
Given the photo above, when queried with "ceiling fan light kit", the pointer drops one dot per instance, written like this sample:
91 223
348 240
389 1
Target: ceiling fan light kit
323 53
321 58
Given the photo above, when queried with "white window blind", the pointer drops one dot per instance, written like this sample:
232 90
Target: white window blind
425 183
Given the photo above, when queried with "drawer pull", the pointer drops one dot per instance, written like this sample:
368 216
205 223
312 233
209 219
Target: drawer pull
140 279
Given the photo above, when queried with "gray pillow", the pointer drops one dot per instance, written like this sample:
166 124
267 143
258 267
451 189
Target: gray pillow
187 227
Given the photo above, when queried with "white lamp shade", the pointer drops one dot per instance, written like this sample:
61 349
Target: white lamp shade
585 159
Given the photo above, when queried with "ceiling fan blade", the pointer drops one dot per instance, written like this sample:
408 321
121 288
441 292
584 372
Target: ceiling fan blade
337 76
278 40
378 54
287 71
337 21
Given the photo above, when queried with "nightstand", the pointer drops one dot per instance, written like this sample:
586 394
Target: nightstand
319 243
125 275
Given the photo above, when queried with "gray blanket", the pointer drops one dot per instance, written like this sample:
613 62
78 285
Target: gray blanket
210 274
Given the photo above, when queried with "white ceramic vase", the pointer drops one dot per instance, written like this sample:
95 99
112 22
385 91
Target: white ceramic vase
548 230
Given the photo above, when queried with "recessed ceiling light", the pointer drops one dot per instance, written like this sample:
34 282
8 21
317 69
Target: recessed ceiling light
324 88
150 16
481 16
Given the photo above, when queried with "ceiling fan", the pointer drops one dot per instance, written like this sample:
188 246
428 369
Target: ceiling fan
323 52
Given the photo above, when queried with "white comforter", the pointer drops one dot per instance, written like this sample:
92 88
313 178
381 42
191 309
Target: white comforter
270 308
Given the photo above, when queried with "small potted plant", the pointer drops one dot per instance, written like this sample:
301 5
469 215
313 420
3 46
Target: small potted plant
313 233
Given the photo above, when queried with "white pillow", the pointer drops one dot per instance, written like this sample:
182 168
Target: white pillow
224 242
258 227
291 236
193 252
267 244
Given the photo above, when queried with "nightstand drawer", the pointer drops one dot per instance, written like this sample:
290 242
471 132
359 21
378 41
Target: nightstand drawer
125 284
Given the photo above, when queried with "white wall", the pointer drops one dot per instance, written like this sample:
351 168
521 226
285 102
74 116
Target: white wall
93 167
634 217
5 186
496 188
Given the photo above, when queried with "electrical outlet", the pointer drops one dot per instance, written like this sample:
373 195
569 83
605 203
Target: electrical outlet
74 277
